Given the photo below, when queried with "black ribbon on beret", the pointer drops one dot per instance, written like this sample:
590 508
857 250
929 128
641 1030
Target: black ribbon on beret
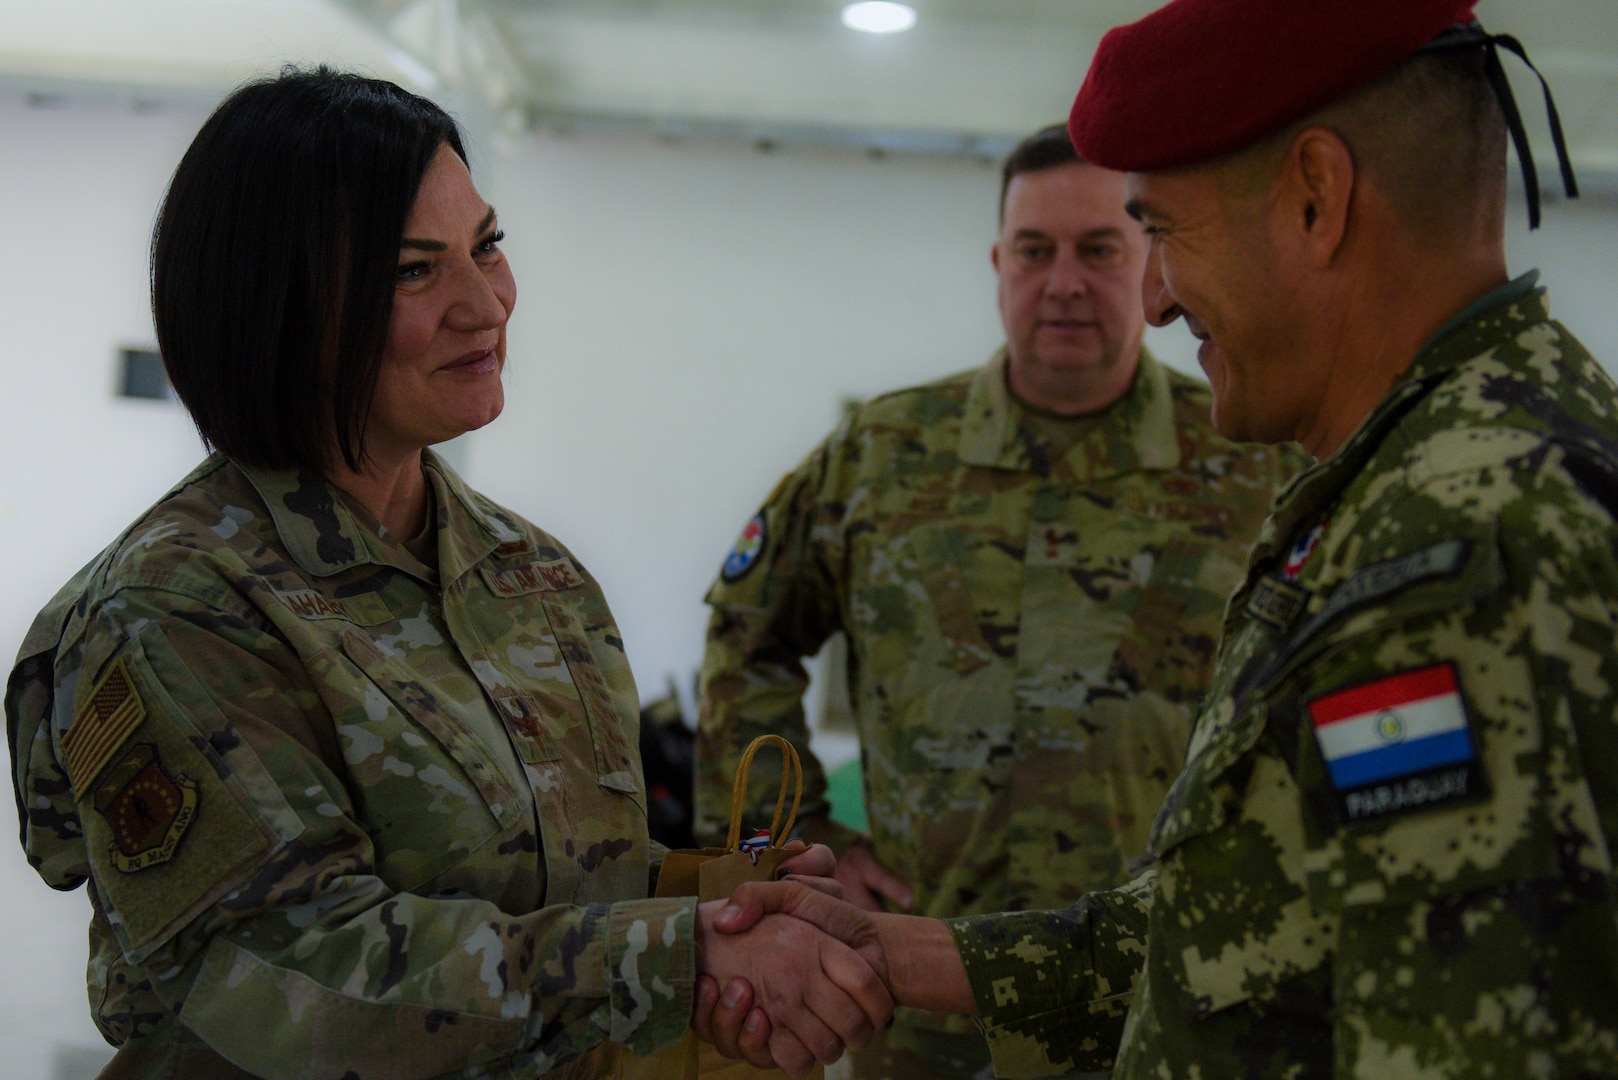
1472 34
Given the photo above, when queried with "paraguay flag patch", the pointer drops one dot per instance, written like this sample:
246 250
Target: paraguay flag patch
1398 744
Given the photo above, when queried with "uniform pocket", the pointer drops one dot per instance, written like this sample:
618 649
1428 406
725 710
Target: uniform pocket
426 788
617 760
1172 637
937 551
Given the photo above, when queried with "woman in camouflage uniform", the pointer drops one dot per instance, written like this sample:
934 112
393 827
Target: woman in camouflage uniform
347 751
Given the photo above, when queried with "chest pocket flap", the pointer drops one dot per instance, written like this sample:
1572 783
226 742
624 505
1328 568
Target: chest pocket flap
428 786
617 762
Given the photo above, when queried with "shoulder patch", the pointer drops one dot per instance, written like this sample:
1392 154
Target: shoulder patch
1398 744
749 546
514 549
1298 557
103 723
148 810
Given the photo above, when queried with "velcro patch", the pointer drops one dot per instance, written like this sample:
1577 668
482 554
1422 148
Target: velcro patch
149 810
1443 559
1276 602
514 549
362 610
749 546
1398 744
106 719
535 577
1298 558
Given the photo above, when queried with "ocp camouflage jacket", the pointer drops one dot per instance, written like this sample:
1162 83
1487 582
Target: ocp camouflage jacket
1030 632
341 814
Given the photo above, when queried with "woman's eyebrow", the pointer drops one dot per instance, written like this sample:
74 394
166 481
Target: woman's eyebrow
439 245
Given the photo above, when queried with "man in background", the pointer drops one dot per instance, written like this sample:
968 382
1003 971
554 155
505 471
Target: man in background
1030 562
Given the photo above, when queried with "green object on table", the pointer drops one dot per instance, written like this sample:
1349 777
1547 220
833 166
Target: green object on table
845 790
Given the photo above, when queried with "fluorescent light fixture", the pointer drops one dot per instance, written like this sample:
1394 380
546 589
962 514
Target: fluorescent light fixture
879 17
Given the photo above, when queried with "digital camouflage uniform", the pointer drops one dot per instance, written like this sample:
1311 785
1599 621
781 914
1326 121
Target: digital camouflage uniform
1445 914
343 815
1029 634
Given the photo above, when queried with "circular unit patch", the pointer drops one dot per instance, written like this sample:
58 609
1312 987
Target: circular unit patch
749 546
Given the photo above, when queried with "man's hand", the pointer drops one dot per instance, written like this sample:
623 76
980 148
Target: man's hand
916 957
757 900
818 994
725 1016
737 1029
865 881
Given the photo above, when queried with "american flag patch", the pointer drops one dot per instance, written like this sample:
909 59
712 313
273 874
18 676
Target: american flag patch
100 727
1398 744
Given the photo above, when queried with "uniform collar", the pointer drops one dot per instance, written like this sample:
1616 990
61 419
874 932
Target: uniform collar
323 537
1137 431
469 528
1499 315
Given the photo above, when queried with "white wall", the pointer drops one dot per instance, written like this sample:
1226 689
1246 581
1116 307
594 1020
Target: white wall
78 188
689 317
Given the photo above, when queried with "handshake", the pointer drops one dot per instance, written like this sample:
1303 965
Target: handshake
789 974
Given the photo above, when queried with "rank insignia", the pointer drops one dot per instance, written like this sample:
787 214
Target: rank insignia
1398 744
749 546
1276 602
149 810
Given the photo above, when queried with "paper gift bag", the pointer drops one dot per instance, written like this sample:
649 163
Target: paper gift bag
713 874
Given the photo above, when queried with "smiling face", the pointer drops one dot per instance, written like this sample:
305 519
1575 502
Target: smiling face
1069 262
1211 261
440 374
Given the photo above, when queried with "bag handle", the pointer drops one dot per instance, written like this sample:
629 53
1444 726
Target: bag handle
790 766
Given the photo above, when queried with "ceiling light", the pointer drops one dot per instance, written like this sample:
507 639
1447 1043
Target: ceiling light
879 17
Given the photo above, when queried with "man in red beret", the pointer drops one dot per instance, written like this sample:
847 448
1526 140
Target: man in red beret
1389 853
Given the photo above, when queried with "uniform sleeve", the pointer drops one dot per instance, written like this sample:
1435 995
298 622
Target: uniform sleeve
1053 987
776 602
1479 935
233 867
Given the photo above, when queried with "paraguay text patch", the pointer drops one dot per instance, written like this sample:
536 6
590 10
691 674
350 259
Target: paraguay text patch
1398 744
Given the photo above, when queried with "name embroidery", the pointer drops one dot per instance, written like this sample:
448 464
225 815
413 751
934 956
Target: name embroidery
364 610
1443 559
535 577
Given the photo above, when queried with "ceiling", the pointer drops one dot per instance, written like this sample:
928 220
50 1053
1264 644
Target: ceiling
971 77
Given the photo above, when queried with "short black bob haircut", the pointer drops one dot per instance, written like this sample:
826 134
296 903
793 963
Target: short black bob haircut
1044 149
274 259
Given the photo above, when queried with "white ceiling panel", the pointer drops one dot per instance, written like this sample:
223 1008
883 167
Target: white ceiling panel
970 77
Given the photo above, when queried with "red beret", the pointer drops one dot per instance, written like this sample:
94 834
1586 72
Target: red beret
1200 78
